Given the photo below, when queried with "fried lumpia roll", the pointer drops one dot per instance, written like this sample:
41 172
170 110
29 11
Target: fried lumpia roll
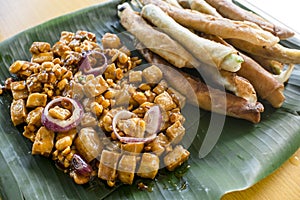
235 106
272 66
199 5
285 75
266 85
155 40
207 98
238 85
173 3
207 51
203 7
229 10
225 28
184 3
275 52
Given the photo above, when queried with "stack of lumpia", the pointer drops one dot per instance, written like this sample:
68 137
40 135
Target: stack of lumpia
196 34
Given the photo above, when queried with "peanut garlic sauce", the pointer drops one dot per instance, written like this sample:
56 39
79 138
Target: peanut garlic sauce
94 112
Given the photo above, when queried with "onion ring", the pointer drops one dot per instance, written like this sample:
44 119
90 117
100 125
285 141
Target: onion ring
86 67
80 165
57 125
153 119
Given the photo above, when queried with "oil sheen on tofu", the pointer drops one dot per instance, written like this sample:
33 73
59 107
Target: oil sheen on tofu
122 123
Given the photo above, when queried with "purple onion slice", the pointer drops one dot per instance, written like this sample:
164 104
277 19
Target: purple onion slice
153 119
80 166
96 68
58 125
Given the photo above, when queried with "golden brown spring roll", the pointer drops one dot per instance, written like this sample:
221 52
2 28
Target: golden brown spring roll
173 3
234 106
203 7
232 82
155 40
209 52
184 3
275 52
225 28
272 66
285 75
229 10
238 85
265 84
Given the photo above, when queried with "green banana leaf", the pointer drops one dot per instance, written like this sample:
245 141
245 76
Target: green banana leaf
244 154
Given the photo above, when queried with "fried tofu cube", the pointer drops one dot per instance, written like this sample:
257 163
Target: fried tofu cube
149 166
178 98
19 90
152 74
77 90
133 127
39 47
159 144
136 147
33 85
108 166
123 95
20 94
72 133
59 113
88 144
88 120
135 76
165 101
34 116
160 87
44 142
29 132
42 57
176 157
175 132
18 111
139 97
36 100
95 86
111 41
126 169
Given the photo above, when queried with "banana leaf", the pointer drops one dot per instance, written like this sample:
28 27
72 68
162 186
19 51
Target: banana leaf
244 154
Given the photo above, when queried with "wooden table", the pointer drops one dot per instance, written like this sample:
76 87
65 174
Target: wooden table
17 15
